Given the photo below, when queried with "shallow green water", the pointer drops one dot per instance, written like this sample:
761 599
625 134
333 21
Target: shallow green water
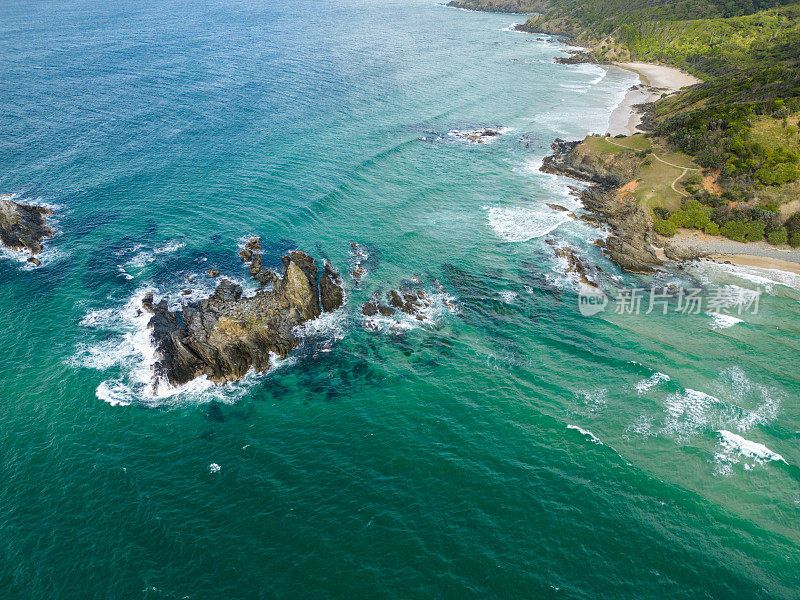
510 447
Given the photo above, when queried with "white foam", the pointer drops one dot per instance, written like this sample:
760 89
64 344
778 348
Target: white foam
592 437
129 355
475 136
214 468
652 381
439 304
169 247
114 392
723 321
735 449
140 260
691 411
643 426
518 224
508 296
771 281
594 400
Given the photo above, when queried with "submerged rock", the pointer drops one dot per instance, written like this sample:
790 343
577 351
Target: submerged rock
408 301
478 136
578 266
226 334
23 227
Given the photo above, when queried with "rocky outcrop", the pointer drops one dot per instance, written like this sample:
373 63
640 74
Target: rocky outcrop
359 259
23 227
576 160
226 334
330 289
630 245
478 136
404 300
578 266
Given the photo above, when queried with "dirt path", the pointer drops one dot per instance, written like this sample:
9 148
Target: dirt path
683 170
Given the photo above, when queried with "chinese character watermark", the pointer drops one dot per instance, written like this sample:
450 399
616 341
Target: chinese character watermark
662 300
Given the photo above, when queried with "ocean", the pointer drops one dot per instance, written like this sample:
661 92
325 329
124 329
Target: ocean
508 446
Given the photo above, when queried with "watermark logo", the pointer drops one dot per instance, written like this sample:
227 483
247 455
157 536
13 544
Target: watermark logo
591 300
726 300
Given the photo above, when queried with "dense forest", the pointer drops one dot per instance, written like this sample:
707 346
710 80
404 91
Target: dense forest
741 121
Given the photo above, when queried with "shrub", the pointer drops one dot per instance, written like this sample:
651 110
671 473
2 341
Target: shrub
735 230
661 212
776 238
667 228
794 241
712 228
779 174
693 214
755 231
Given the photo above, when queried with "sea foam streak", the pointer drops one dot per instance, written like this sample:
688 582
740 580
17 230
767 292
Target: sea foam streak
518 224
735 449
652 381
592 437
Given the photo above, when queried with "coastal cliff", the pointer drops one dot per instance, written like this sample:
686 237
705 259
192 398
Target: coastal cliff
741 123
631 243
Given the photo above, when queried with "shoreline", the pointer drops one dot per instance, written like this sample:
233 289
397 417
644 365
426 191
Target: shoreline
760 255
654 81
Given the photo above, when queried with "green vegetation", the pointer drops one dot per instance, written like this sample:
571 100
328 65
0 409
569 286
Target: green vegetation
664 227
505 6
692 214
742 122
742 119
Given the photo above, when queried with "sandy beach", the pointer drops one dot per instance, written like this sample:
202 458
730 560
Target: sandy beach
751 254
655 80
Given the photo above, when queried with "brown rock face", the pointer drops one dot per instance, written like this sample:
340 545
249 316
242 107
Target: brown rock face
630 246
576 160
330 289
23 226
227 334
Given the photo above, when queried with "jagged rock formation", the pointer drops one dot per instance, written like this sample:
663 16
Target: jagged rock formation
630 246
226 334
578 266
576 160
23 227
408 301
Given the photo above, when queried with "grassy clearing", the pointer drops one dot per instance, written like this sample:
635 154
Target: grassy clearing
655 186
612 145
654 183
777 133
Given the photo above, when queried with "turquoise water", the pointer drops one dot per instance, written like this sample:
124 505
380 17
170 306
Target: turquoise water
508 447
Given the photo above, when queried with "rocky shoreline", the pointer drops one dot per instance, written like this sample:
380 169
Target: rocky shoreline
632 242
23 227
224 336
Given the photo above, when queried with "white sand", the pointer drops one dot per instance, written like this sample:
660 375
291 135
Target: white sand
655 81
668 79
